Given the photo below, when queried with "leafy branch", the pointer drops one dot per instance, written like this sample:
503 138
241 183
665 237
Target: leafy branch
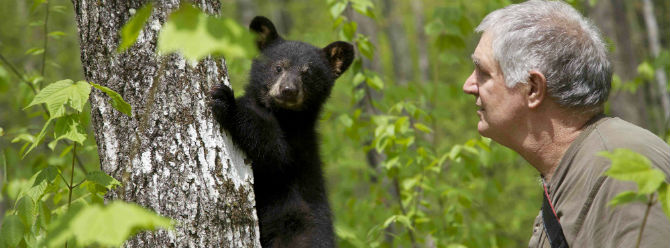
631 166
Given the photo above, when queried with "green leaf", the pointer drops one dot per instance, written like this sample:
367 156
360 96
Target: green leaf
4 80
131 30
35 51
346 120
68 127
196 35
645 70
56 34
631 166
423 127
60 93
47 174
107 225
102 179
664 198
25 209
349 30
404 220
12 230
39 137
337 9
375 81
365 47
117 101
626 197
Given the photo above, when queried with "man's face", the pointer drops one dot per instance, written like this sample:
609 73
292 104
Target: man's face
500 107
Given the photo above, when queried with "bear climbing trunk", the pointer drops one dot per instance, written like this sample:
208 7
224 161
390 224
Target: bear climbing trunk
170 155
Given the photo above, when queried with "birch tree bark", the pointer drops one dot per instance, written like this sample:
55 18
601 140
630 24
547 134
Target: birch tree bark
171 155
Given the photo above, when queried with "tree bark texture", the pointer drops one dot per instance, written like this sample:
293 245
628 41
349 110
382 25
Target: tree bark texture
171 155
611 18
655 47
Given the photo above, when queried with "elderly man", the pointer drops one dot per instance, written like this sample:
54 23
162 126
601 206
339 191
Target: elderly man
541 78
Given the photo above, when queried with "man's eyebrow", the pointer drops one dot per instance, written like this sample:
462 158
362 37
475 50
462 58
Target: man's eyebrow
475 60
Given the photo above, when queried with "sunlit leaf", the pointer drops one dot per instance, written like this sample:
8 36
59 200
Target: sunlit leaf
337 9
25 209
35 51
631 166
102 179
423 128
626 197
56 34
113 224
365 47
196 35
349 30
404 220
664 198
645 70
12 230
68 127
47 174
375 81
131 30
39 137
117 101
58 94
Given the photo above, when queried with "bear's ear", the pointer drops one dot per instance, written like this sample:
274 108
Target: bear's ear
265 31
340 54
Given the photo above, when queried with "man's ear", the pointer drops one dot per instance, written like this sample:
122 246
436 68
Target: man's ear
266 33
537 90
340 54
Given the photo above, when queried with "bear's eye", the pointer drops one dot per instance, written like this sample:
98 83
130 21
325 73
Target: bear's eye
278 69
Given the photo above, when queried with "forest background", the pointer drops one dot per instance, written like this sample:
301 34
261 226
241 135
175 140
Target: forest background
403 160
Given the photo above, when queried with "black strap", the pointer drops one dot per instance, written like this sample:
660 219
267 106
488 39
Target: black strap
552 226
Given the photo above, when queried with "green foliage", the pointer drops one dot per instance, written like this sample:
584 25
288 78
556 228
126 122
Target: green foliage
631 166
132 28
60 93
117 102
12 230
113 224
628 165
196 35
49 201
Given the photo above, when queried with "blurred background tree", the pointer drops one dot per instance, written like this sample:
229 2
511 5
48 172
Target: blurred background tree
404 162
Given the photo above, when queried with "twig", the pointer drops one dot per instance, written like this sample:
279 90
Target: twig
46 42
70 187
644 221
17 73
404 211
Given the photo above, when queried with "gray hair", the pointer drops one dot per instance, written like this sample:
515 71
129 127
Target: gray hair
553 38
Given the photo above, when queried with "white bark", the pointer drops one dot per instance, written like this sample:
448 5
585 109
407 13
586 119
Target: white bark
655 47
171 155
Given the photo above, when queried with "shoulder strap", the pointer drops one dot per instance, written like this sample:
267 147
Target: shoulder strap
552 225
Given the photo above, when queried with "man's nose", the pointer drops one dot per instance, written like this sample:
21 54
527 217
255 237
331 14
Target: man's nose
470 85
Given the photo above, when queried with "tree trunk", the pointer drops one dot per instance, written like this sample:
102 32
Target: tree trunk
397 37
655 47
611 18
421 41
171 155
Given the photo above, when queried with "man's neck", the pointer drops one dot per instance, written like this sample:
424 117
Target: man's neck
548 140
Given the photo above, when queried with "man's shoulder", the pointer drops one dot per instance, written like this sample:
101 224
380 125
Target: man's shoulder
614 133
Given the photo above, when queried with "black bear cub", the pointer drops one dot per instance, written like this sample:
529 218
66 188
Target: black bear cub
274 123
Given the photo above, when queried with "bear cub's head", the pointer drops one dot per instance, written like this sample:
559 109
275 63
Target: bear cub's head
293 75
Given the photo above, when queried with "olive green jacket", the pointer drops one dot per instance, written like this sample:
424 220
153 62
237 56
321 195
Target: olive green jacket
580 192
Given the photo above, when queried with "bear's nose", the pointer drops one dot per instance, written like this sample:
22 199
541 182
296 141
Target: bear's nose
289 92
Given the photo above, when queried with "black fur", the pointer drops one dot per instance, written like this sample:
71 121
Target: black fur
275 124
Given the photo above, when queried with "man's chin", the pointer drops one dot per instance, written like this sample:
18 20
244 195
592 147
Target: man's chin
482 128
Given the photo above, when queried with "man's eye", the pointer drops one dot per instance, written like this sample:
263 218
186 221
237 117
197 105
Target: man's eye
278 69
